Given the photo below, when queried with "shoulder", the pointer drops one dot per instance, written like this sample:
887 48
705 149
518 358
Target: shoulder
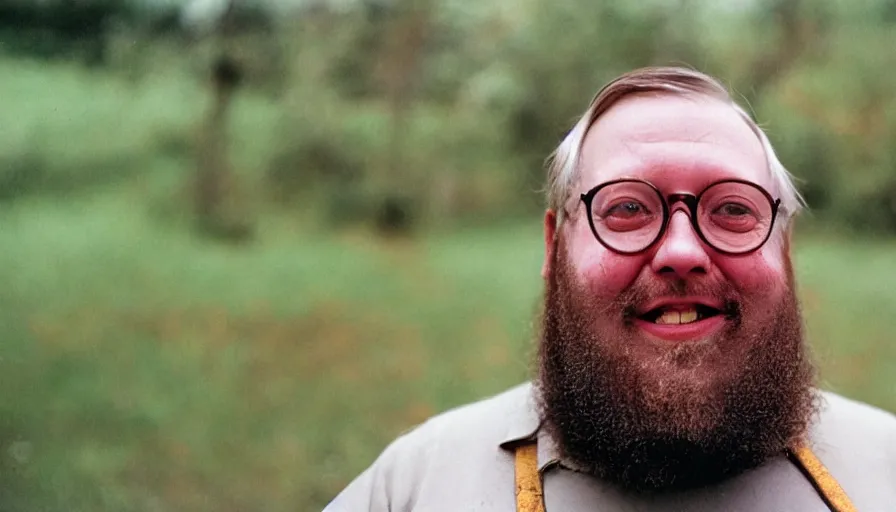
843 420
466 431
857 443
487 420
461 445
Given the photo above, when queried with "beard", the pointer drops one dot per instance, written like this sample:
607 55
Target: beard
655 416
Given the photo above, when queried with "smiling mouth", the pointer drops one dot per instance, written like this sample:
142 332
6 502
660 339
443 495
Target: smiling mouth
680 315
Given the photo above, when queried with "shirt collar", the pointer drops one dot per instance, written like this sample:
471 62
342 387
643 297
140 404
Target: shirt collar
525 426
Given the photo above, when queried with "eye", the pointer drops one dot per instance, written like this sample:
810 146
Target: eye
735 217
733 210
626 209
624 215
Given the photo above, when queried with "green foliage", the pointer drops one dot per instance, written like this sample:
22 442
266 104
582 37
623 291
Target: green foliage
527 74
835 120
340 114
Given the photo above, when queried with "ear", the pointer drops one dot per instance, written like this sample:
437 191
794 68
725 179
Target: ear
550 237
788 236
786 239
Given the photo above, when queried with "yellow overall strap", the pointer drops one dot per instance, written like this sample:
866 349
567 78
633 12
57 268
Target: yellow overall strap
529 497
834 495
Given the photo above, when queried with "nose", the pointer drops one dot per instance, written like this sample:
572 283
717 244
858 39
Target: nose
680 253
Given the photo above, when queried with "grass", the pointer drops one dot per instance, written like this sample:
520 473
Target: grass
156 369
153 371
848 293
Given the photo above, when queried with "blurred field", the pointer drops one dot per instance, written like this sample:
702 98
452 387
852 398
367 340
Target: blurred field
145 368
156 371
147 371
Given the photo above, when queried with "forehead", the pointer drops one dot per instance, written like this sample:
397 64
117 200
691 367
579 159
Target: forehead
676 142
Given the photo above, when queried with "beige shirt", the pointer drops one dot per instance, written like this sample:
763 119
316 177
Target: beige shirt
461 460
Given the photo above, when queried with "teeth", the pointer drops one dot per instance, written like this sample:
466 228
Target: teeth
688 316
678 317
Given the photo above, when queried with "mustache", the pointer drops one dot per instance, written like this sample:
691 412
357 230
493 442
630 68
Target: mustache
643 291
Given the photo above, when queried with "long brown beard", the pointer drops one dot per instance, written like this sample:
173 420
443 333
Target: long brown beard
661 417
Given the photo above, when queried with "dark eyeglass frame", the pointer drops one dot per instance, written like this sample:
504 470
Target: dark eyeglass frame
691 202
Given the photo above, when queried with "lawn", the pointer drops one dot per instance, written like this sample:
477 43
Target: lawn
149 370
152 369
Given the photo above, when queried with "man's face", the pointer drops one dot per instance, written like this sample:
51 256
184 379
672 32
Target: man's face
611 369
680 145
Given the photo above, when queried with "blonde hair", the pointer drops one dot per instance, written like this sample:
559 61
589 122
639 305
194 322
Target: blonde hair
563 164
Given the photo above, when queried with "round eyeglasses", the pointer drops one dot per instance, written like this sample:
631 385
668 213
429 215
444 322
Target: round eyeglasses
732 216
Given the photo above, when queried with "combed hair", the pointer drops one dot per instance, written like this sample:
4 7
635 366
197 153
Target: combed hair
563 164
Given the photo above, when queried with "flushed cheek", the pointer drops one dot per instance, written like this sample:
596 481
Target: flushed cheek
604 272
609 274
754 275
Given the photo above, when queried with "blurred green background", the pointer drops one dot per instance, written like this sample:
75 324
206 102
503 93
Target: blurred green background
244 245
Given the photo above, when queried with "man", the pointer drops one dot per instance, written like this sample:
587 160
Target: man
672 370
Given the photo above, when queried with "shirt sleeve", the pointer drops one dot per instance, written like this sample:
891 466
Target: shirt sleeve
391 483
363 494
